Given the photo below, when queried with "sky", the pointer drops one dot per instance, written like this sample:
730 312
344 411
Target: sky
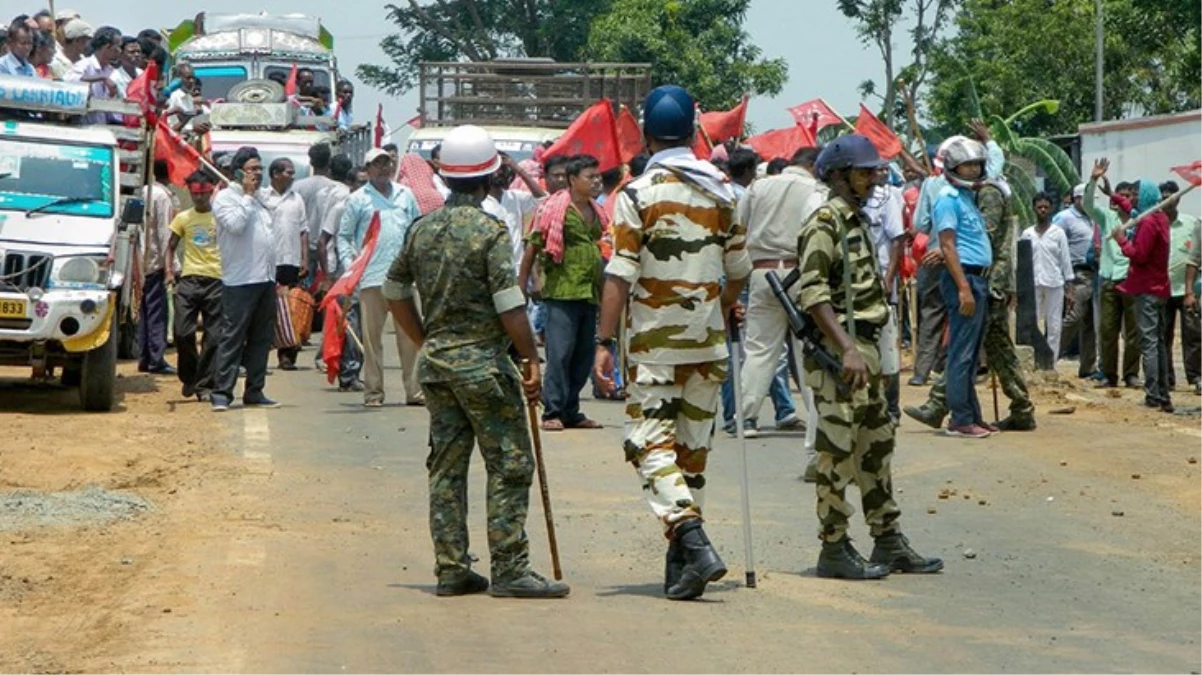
820 46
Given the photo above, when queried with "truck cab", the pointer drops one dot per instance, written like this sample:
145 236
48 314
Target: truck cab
70 207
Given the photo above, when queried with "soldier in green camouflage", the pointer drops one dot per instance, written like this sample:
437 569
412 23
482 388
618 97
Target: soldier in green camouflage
841 290
993 199
461 261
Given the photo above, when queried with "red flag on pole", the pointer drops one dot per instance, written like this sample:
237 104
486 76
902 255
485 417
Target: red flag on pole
701 147
887 143
805 114
182 159
379 130
781 143
1190 172
141 91
334 326
630 136
594 133
415 122
725 125
290 85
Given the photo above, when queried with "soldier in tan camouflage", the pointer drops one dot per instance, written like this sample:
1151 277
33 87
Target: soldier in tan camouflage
460 260
841 289
675 233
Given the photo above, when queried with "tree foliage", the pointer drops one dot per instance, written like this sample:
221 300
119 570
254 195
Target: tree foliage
478 30
1006 53
698 44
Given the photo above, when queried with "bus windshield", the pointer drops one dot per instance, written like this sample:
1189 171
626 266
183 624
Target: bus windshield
34 173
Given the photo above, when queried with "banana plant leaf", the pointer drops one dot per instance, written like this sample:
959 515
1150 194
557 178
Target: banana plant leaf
1024 188
1041 158
1059 156
1049 105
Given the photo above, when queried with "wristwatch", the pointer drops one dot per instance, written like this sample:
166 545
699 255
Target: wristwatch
608 342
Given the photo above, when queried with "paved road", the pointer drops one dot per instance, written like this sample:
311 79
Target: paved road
336 575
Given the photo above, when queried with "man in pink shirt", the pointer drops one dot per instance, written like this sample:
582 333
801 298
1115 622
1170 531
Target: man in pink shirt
1148 281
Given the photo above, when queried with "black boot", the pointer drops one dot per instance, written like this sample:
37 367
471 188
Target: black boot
465 584
841 560
894 550
1018 422
702 564
673 565
926 414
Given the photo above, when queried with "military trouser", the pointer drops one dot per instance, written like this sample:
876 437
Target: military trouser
855 443
669 431
1003 361
491 412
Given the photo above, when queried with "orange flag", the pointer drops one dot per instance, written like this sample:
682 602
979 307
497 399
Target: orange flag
701 147
1190 172
182 159
630 136
334 325
815 115
781 143
142 92
887 143
290 85
594 133
725 125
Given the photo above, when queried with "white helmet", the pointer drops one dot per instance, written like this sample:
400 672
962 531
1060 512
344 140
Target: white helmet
468 152
961 150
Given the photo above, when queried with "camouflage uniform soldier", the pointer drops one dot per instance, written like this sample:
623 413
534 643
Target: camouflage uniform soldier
994 202
675 234
842 292
461 261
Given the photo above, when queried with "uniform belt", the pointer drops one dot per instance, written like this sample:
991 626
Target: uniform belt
975 270
770 264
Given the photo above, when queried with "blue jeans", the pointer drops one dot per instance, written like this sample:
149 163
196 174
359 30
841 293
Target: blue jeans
571 346
964 348
782 398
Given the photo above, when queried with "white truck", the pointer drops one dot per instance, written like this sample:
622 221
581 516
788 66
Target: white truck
70 210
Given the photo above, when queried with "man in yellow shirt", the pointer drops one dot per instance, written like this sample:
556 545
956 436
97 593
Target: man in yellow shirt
198 293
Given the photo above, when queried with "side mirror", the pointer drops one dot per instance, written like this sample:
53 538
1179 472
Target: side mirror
133 212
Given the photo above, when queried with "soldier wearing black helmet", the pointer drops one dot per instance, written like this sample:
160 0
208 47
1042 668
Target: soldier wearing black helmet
841 290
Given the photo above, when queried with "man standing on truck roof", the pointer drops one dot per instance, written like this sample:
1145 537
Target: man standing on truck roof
97 69
346 99
248 299
20 46
152 319
397 209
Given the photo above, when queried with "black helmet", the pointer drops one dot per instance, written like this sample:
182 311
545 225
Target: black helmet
851 151
669 113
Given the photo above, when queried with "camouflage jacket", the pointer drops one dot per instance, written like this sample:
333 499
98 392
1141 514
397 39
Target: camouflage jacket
1001 227
673 241
460 260
820 255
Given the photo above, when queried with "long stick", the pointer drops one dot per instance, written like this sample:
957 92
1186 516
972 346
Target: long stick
544 490
912 116
745 482
996 415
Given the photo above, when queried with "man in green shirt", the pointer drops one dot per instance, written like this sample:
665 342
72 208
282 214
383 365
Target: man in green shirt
565 240
1183 240
1117 309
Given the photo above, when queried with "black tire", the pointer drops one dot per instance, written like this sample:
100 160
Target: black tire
98 381
257 91
72 374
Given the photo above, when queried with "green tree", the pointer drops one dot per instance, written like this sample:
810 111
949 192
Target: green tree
1014 51
478 30
698 44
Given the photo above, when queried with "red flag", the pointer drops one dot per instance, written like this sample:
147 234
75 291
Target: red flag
1192 173
290 85
804 114
334 325
630 136
781 143
887 143
379 130
182 159
415 122
701 147
725 125
594 133
142 92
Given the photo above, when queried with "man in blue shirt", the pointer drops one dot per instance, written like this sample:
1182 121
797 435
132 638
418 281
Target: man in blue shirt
967 254
20 46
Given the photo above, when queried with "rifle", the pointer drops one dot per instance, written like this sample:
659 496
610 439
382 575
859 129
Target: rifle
804 330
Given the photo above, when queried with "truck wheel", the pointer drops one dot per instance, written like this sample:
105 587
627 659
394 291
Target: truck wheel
98 379
257 91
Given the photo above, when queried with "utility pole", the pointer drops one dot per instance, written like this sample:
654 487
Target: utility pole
1097 105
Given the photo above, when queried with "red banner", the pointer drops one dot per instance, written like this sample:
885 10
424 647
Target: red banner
701 147
724 125
415 122
334 324
887 143
142 92
630 136
594 133
805 114
1191 172
781 143
182 159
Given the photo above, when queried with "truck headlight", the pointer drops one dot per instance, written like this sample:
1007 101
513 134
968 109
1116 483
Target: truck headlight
81 270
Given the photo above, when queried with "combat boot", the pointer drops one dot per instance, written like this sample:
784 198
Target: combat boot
702 564
841 560
926 414
674 565
894 551
1018 422
811 474
529 585
465 584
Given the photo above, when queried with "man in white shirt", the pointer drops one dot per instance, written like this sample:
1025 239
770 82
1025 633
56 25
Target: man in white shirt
342 174
1053 268
97 69
152 318
128 70
72 35
289 224
514 207
315 191
247 244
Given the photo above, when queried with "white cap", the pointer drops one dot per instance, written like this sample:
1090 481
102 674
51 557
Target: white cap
374 154
66 15
77 28
1079 191
468 151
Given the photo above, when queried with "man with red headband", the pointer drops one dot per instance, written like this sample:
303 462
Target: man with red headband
198 291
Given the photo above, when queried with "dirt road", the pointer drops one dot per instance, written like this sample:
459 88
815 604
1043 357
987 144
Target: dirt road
296 540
